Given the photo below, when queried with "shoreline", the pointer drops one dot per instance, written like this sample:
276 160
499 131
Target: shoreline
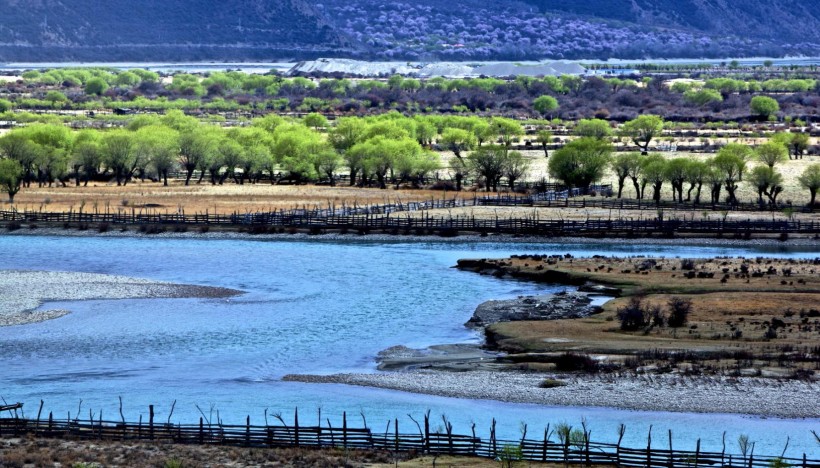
24 291
673 393
400 238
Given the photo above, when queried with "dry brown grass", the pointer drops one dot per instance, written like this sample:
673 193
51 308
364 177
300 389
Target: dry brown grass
731 310
41 452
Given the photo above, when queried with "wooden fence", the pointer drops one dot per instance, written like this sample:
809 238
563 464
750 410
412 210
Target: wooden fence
368 219
553 447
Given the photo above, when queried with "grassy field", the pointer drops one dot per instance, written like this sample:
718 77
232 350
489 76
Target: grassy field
762 308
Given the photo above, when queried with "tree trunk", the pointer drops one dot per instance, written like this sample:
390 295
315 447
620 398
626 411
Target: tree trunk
637 187
459 178
697 195
190 173
620 186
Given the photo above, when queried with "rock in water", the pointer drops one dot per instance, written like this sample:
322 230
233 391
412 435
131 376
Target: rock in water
546 307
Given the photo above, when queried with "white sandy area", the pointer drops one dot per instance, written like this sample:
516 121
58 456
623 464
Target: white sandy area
756 396
21 292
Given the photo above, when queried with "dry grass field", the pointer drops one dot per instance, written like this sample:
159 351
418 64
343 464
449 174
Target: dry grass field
765 309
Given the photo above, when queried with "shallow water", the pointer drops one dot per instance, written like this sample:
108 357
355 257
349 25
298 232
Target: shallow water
309 307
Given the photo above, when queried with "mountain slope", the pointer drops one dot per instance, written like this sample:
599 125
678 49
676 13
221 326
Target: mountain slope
191 30
156 29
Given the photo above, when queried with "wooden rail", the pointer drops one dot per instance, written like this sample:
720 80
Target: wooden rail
573 450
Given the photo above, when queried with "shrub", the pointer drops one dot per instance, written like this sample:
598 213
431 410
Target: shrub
552 383
679 310
632 316
571 362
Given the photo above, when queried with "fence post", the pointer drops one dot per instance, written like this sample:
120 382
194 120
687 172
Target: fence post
649 449
248 431
296 426
344 429
396 427
151 422
201 431
427 433
697 453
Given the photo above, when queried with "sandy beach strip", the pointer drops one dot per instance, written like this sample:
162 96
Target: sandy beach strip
21 292
741 395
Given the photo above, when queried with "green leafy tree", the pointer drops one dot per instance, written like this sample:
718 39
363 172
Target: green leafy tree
195 146
766 181
458 140
593 128
810 180
581 162
96 86
642 130
315 120
507 130
544 138
86 156
515 167
623 165
11 177
731 163
654 174
771 153
764 106
696 172
159 146
703 97
119 154
545 104
488 162
676 172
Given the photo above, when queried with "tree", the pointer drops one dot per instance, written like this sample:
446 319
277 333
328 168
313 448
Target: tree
195 145
544 138
581 162
731 162
714 177
642 130
771 153
593 128
458 140
5 105
488 162
703 97
696 172
96 86
676 172
119 151
764 106
766 181
545 104
810 180
508 130
159 145
515 167
623 165
86 155
315 121
233 156
11 177
797 143
654 173
326 163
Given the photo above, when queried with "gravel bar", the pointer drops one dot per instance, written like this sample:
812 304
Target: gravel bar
21 292
753 396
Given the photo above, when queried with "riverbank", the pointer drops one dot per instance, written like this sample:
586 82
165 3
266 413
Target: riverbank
21 292
739 395
304 235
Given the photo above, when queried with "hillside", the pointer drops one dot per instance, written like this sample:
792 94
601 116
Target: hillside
89 30
35 30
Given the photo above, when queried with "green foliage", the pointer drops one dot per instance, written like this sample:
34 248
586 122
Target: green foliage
509 455
545 104
5 105
810 180
581 162
642 130
11 177
764 106
593 128
771 153
96 86
703 97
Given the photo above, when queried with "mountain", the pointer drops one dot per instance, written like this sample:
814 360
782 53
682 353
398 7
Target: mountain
189 30
89 30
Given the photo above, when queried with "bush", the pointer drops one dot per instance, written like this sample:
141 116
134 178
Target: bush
679 310
571 362
632 316
552 383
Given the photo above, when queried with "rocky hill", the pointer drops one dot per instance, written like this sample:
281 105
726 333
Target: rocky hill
175 30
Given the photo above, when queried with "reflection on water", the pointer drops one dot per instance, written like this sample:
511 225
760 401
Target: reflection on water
309 307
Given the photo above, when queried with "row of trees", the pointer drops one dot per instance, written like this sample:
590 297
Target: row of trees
584 161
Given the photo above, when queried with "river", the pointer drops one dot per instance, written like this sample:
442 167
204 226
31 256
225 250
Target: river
308 307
